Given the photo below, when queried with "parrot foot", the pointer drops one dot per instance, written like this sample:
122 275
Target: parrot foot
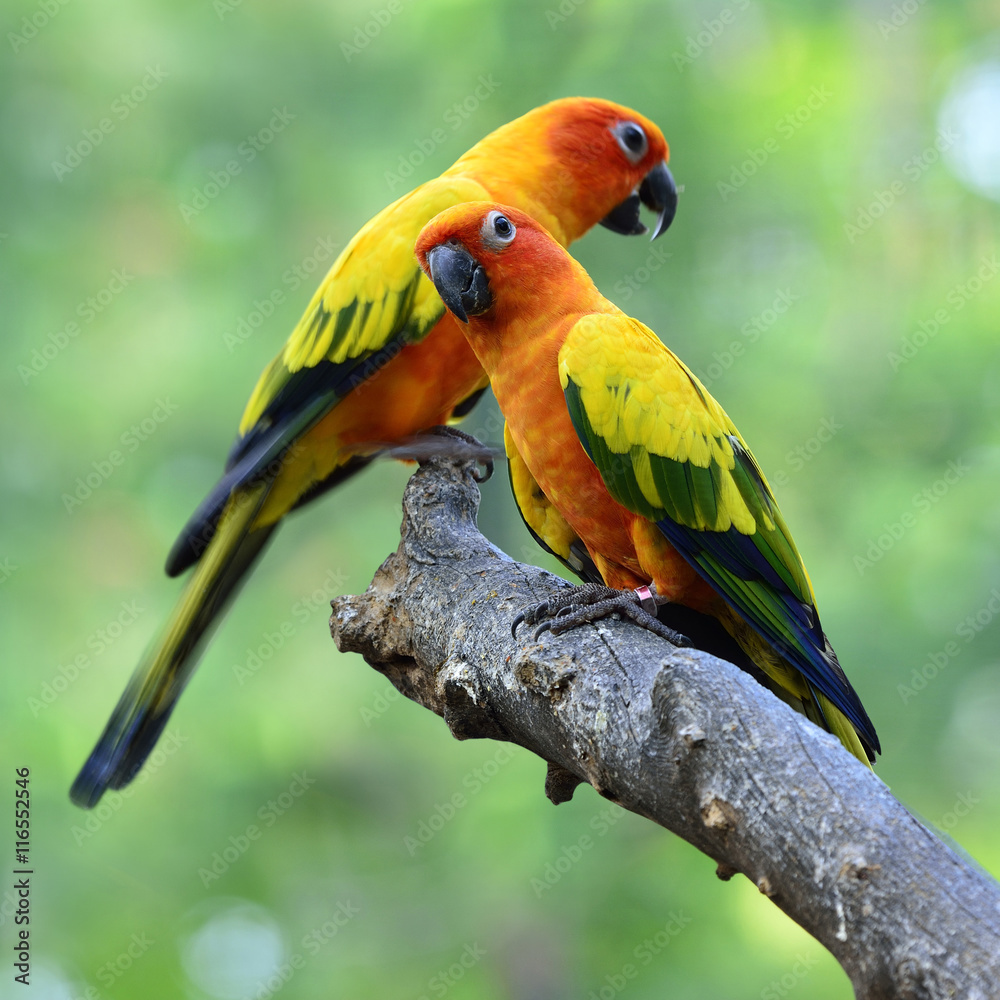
591 602
428 445
477 450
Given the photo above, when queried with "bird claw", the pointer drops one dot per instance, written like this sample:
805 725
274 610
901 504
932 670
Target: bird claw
555 624
513 625
588 604
544 627
428 445
487 473
535 612
479 452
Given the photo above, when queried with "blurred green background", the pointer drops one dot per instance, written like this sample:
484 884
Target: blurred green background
832 274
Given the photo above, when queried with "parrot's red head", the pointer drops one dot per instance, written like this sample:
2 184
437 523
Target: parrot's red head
488 260
582 161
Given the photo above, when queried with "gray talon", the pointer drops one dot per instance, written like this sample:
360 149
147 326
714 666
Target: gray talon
590 603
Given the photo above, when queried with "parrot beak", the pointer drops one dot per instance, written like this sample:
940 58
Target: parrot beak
624 218
658 192
460 280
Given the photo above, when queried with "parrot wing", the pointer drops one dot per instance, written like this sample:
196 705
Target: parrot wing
667 451
373 302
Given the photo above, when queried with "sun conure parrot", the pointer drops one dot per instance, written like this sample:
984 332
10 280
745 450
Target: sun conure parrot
621 460
374 360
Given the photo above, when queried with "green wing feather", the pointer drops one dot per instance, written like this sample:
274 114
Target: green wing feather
667 451
374 296
374 301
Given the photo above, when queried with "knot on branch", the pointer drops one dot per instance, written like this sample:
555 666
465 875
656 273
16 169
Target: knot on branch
465 712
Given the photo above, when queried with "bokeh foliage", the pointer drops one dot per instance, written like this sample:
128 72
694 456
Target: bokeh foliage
788 123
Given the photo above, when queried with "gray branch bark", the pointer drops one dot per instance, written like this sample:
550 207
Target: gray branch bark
677 736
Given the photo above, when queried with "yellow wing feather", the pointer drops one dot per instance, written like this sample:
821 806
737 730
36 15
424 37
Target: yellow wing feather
373 290
667 451
642 400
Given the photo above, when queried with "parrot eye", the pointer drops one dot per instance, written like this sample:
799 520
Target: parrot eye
498 230
632 140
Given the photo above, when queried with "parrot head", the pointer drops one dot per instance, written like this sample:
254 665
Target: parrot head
585 161
488 260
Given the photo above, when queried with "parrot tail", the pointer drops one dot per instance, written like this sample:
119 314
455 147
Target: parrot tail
144 708
832 719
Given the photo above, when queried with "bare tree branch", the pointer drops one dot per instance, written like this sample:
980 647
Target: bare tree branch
680 737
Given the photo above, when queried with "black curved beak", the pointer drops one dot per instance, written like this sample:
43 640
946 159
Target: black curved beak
460 280
658 192
624 218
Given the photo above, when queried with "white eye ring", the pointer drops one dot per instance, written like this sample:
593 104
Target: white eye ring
498 231
632 139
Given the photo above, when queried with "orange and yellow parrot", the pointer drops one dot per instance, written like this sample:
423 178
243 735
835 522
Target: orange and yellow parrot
374 360
621 462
